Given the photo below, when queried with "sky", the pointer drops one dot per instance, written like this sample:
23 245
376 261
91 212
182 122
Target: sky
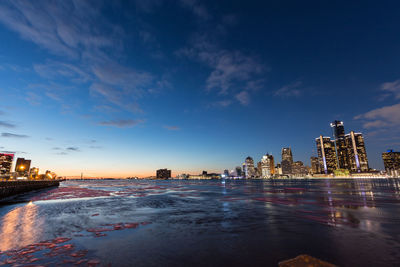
122 88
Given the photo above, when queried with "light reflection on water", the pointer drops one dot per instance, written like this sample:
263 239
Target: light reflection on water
212 223
20 227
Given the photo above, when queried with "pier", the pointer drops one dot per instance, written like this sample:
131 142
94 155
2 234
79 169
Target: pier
10 188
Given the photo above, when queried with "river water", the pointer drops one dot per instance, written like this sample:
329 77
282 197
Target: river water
203 223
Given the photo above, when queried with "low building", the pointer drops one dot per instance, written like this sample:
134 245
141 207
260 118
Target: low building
391 161
163 174
22 167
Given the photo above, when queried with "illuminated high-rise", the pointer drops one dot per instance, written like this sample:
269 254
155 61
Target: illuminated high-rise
340 144
287 160
315 166
267 166
391 160
357 155
5 164
248 168
326 154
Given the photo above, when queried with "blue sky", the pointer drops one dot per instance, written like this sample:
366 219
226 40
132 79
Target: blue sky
124 88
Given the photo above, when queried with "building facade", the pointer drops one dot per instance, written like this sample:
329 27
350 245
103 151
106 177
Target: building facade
5 165
163 174
287 161
326 154
391 161
340 144
298 169
315 166
248 168
22 167
239 172
267 166
357 154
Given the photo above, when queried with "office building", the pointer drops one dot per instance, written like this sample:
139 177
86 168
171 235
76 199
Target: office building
391 161
278 169
163 174
5 164
22 167
357 155
287 161
315 166
226 173
239 172
34 173
248 168
326 154
298 169
259 169
340 144
267 166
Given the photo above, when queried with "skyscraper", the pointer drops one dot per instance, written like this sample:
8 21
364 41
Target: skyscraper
5 164
326 154
391 160
315 166
267 166
340 144
357 155
287 160
248 168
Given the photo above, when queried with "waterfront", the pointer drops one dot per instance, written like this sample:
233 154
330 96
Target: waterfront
204 223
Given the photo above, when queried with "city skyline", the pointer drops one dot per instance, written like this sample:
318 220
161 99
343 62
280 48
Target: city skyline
122 89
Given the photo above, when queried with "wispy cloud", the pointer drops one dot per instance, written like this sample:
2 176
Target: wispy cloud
88 46
12 152
12 135
388 116
243 97
392 87
7 124
172 128
220 104
121 123
33 98
232 72
74 149
289 90
197 8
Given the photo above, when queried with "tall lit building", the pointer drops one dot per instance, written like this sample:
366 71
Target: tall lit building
391 160
326 154
340 144
315 166
267 166
248 168
287 160
163 174
357 155
5 164
22 166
